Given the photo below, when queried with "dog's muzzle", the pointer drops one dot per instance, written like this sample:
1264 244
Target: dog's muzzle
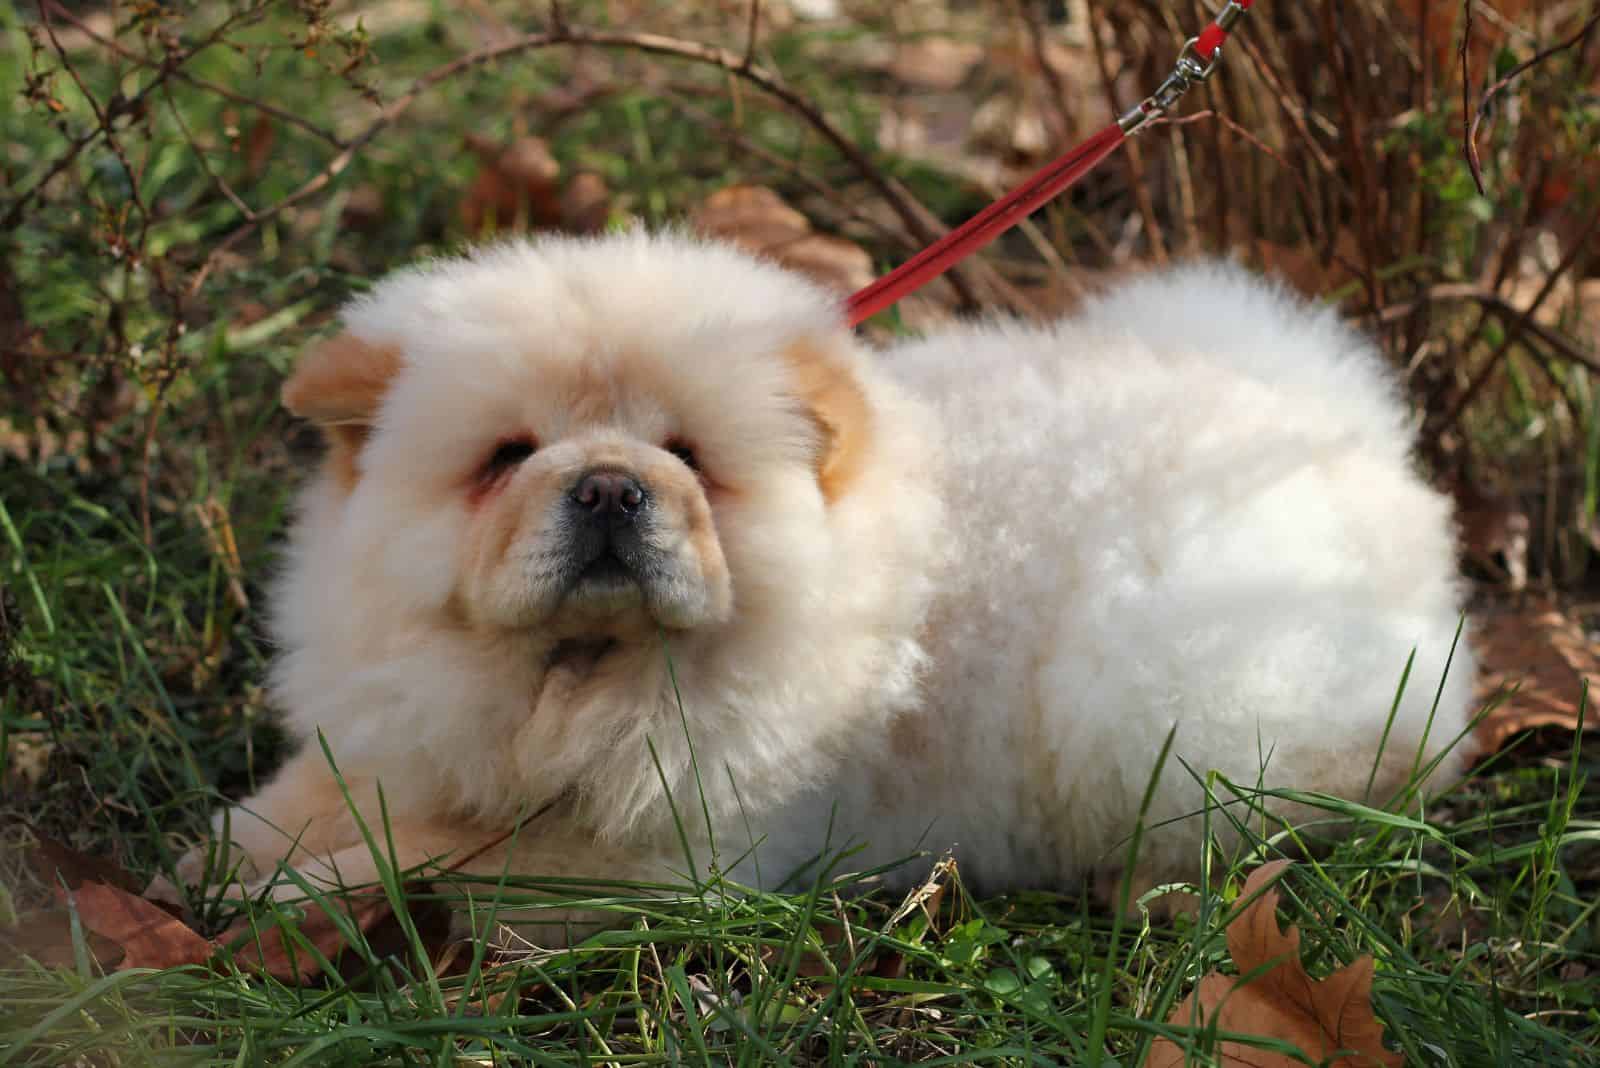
608 514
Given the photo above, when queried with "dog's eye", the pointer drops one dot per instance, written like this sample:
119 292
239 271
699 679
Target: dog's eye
509 454
683 451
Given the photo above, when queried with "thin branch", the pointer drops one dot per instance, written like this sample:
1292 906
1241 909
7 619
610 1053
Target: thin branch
115 108
1467 141
1261 146
281 114
752 34
1494 302
1500 86
826 193
217 179
1516 327
1136 174
1034 24
917 220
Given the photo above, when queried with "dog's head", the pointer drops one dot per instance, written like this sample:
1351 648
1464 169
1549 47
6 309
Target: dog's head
563 452
575 434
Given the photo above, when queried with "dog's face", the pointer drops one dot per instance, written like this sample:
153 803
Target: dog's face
524 469
550 462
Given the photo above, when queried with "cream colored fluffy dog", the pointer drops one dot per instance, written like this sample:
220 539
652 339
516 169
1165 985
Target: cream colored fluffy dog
597 514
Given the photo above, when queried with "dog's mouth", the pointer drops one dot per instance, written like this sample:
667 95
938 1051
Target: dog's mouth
606 569
609 581
622 583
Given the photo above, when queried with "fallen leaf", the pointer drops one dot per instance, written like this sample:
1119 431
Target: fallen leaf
1302 266
517 186
1279 1000
1013 127
363 209
1533 645
27 756
585 203
45 937
258 145
757 219
1442 25
149 936
1588 312
935 63
292 956
1493 531
56 864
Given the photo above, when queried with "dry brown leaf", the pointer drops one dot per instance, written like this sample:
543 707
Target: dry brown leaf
1442 26
149 935
585 203
518 186
1015 128
1493 531
1588 314
258 144
1538 648
363 209
56 864
45 937
1320 1017
935 63
1302 266
756 218
273 951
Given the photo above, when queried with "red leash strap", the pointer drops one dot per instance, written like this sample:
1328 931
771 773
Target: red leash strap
1195 64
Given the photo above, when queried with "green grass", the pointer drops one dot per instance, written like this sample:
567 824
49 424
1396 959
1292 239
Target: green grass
132 694
1482 917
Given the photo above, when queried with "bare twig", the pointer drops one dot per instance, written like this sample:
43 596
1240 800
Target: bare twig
1260 146
112 110
828 194
1353 135
1466 97
1141 191
217 180
1494 302
917 220
242 99
1516 327
1501 85
1033 21
752 34
1290 103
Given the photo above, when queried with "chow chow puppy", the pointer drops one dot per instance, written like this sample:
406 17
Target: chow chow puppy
619 535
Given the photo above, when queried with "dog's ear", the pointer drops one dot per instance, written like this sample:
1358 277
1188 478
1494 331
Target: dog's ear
338 384
829 390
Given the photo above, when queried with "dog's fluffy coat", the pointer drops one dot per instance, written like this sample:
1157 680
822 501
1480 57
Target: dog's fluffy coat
955 593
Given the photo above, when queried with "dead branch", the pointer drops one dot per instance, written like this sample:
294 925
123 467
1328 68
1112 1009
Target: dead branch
916 219
109 113
1498 305
1136 174
1468 142
179 74
1512 75
1515 328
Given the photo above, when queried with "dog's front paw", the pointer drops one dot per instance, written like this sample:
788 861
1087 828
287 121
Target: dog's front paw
217 862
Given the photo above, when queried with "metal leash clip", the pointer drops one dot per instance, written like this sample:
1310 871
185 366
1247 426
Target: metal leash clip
1192 67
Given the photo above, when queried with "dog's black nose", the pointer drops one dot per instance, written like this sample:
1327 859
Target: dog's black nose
609 494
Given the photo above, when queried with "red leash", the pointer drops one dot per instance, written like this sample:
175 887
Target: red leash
1195 64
